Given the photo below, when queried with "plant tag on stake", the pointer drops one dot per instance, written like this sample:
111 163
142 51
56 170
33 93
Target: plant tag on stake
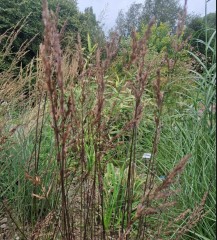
147 156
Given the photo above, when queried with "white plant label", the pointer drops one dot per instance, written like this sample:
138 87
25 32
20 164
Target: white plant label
146 155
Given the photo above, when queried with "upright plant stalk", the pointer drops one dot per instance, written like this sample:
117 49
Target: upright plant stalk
37 148
130 182
51 57
150 172
139 50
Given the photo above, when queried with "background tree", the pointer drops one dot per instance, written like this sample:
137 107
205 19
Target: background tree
163 11
91 26
133 17
12 11
121 26
130 20
139 15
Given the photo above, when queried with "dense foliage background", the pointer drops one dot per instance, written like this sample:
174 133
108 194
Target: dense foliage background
29 14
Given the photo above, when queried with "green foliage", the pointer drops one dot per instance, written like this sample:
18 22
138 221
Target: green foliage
196 28
189 135
13 11
90 26
115 184
206 81
161 50
194 130
161 38
18 179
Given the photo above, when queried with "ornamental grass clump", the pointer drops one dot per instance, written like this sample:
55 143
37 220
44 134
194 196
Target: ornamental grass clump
71 180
